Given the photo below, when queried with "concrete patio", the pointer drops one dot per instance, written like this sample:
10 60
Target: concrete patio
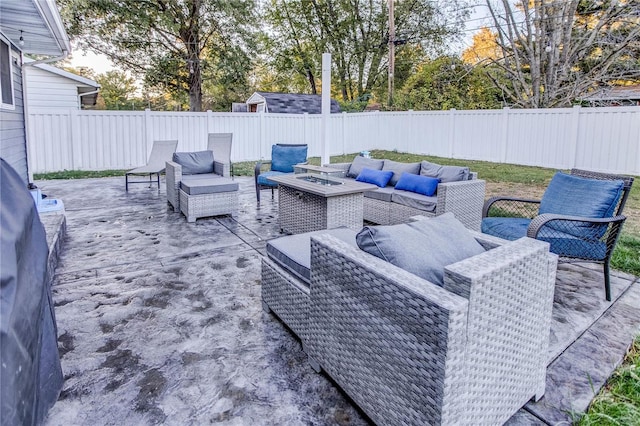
160 321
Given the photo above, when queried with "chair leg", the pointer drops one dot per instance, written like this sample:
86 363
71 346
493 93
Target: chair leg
607 282
126 183
272 196
258 193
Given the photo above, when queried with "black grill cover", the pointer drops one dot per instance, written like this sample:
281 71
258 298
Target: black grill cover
31 377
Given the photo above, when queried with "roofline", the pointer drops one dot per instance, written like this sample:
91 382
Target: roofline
63 73
49 12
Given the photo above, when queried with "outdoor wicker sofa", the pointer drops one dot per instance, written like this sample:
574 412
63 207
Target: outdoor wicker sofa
460 192
408 351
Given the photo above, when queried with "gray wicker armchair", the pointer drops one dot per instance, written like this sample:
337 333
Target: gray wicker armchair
410 352
573 235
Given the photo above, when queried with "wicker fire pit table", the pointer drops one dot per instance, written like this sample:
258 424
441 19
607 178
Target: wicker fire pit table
311 202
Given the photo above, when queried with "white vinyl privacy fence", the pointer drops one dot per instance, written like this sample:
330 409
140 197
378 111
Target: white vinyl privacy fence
599 139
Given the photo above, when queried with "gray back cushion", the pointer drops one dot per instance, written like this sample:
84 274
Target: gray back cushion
444 173
423 247
194 163
360 163
399 168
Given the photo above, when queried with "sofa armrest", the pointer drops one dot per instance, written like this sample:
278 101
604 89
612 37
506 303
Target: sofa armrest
464 199
222 168
173 176
339 166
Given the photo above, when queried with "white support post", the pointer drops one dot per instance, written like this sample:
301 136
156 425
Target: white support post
326 107
210 128
343 119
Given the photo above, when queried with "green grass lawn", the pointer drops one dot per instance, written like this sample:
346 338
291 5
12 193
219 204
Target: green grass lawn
619 402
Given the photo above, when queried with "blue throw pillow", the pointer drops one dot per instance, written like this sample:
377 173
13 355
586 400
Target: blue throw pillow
194 163
283 157
420 184
376 177
579 196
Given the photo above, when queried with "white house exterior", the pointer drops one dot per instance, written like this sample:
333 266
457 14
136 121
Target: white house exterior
26 26
51 87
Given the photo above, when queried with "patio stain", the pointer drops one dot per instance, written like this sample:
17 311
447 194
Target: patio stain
65 344
152 385
110 346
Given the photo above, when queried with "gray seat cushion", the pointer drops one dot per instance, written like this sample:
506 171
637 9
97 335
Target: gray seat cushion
423 247
415 200
382 194
194 163
444 173
211 185
360 163
399 168
293 252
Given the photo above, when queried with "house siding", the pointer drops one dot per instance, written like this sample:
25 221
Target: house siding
12 128
47 90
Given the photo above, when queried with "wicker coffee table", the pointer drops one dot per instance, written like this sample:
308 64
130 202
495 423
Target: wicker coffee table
310 202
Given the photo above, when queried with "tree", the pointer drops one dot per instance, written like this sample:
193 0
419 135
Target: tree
117 89
485 47
356 33
162 40
447 82
555 51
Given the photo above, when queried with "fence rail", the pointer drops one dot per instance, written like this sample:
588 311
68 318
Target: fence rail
599 139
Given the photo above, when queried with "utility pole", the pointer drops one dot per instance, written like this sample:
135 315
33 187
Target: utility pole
392 51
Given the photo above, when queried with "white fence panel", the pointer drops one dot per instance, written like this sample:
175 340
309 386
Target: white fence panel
429 132
540 137
600 139
609 141
50 147
477 135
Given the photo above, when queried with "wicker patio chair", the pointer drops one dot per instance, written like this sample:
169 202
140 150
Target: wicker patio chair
410 352
220 144
161 152
573 234
283 158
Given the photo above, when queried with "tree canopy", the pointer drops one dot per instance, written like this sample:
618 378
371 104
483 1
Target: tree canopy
163 41
556 51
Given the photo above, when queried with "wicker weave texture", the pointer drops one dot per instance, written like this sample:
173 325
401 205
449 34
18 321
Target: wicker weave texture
377 211
286 296
409 352
204 205
301 211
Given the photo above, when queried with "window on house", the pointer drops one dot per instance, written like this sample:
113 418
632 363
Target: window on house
6 82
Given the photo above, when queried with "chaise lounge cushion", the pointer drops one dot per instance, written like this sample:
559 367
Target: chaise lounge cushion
444 173
399 168
293 252
423 247
194 163
376 177
360 163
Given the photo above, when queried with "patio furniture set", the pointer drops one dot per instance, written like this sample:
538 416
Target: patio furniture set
418 316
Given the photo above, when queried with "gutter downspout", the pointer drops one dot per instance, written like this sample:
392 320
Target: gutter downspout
25 106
